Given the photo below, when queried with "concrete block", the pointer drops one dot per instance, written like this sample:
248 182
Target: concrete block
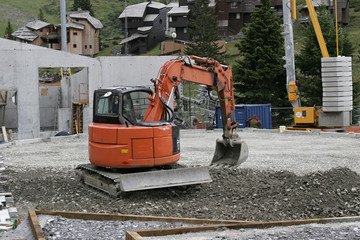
337 104
3 201
336 74
336 69
337 89
335 119
336 79
337 109
337 84
27 141
337 99
4 215
335 59
338 94
13 212
335 64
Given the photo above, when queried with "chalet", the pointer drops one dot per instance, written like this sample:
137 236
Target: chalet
146 25
232 15
342 10
35 32
82 33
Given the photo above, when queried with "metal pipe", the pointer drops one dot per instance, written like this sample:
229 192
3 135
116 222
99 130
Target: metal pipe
63 25
337 33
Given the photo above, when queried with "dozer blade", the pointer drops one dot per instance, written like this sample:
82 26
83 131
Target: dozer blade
114 183
230 155
164 178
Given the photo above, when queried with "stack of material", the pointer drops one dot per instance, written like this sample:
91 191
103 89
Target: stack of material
7 214
337 85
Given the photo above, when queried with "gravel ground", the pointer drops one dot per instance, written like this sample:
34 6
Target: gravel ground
60 228
310 231
287 176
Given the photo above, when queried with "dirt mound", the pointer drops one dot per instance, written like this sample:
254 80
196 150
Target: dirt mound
241 194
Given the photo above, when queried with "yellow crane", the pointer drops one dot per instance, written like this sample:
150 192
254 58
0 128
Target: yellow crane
303 116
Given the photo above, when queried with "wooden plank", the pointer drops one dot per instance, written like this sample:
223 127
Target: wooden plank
6 224
35 225
11 135
132 235
125 217
175 231
6 194
4 134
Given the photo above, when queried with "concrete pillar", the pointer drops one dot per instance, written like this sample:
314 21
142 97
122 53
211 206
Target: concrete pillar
337 104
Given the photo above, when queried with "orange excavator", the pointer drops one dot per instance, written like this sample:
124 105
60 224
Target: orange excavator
133 141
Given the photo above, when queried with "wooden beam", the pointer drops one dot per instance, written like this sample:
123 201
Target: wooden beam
175 231
139 234
132 235
35 225
125 217
4 133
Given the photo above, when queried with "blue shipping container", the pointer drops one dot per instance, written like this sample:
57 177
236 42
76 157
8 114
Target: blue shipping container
244 112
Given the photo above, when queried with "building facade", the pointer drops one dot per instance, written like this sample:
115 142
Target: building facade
145 27
342 10
82 33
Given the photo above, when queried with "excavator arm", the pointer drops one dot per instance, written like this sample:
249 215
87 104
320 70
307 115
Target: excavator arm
205 71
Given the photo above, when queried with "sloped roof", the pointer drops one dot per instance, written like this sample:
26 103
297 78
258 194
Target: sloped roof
144 29
75 25
150 17
133 37
25 33
182 10
172 4
82 14
37 24
156 5
134 11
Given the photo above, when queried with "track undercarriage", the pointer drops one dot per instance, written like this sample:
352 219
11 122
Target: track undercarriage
116 181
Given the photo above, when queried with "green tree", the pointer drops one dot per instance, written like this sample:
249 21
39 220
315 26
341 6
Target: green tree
259 75
41 16
9 31
308 62
203 31
84 5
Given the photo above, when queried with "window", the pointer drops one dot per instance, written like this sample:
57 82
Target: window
134 106
160 21
74 45
237 15
75 33
90 46
233 4
85 46
185 30
170 19
107 104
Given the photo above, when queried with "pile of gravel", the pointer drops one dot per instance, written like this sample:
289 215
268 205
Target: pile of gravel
241 194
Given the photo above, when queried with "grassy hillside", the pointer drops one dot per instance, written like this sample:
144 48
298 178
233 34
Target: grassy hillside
19 12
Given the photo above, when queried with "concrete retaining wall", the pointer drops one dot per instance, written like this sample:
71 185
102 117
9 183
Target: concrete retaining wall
19 69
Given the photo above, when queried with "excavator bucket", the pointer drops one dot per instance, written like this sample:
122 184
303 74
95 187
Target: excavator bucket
230 155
